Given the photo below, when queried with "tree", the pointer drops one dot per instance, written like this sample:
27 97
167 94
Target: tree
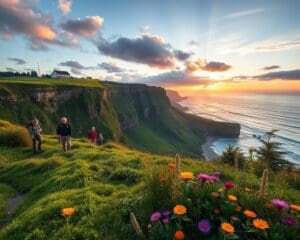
271 153
233 156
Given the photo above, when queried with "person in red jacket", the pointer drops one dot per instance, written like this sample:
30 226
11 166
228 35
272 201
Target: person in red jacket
93 136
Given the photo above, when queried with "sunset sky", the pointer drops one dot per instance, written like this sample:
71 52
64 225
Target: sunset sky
190 46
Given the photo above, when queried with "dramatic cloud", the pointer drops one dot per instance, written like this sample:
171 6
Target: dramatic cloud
86 27
110 67
173 78
21 17
278 75
76 71
147 49
192 66
64 6
180 55
266 68
281 75
18 61
72 64
244 13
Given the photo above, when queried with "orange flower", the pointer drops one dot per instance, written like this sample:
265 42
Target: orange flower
234 219
179 210
260 224
67 211
247 189
227 227
250 214
232 198
295 207
238 208
186 175
171 166
268 205
179 235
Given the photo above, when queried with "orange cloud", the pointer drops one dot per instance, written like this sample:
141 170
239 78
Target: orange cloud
65 6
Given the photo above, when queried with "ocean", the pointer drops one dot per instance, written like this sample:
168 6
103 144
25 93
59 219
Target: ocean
257 114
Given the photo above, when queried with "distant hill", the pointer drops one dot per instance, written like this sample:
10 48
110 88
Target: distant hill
136 114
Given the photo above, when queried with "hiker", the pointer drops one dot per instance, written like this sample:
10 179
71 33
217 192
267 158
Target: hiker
93 136
35 132
64 132
100 139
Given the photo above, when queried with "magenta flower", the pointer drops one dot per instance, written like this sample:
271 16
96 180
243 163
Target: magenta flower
204 226
289 221
228 184
155 216
280 204
166 213
203 176
213 178
216 174
166 220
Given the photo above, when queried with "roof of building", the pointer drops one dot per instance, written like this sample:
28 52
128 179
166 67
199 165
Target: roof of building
61 72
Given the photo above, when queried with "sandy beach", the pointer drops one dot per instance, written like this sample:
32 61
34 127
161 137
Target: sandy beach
207 149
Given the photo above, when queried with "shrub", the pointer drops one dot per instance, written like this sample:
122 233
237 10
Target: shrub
13 136
233 156
126 175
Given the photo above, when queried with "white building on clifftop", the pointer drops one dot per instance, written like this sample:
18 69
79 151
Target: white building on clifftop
60 74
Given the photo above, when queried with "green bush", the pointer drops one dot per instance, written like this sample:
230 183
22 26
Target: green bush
13 136
126 175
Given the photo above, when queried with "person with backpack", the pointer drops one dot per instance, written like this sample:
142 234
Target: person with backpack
35 132
93 136
64 134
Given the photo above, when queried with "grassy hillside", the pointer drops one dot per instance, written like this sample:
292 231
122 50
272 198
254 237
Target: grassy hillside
103 184
81 82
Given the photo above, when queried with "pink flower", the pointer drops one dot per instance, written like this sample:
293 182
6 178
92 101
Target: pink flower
203 176
155 216
228 184
213 178
280 204
217 174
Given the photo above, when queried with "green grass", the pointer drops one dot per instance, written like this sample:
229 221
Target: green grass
103 184
13 136
79 82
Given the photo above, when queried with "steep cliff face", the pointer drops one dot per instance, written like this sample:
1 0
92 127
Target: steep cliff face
84 106
152 124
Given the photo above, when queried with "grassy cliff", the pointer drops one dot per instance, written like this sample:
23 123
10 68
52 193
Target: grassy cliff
103 184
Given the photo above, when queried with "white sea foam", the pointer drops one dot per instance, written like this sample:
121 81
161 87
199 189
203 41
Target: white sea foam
257 113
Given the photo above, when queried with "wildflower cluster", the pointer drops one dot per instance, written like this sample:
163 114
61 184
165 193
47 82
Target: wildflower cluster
207 208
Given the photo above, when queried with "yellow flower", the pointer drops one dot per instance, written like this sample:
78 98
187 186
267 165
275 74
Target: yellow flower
232 198
260 224
179 210
295 207
67 211
247 189
250 214
227 227
186 175
238 208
